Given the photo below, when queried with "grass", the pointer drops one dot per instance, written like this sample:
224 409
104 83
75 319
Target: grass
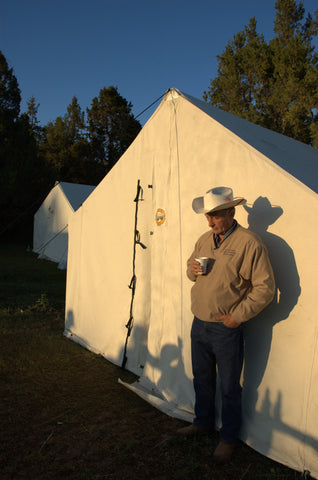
63 414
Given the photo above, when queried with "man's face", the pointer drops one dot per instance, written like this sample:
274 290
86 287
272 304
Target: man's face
220 221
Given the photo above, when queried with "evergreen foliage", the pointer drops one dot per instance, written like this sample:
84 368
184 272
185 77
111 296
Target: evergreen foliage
111 126
272 84
21 172
10 95
35 129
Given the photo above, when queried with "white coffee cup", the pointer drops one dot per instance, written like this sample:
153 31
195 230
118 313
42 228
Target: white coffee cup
203 261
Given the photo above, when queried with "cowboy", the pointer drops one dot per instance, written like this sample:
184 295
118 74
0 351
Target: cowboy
237 285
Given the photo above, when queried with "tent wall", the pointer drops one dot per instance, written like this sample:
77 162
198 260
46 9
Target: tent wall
104 230
181 152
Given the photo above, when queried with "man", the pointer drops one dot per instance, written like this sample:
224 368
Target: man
238 284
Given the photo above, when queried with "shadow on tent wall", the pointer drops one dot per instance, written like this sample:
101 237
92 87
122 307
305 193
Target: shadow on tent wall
257 349
259 332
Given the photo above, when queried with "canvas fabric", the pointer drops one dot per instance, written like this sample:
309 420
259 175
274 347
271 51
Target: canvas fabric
177 155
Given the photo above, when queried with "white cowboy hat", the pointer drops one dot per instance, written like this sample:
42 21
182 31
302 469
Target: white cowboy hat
218 198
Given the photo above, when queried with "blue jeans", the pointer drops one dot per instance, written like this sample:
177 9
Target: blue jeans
216 347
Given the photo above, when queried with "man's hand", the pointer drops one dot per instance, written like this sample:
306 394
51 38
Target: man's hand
196 267
228 321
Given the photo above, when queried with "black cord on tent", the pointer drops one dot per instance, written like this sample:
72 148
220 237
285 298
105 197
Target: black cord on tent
133 280
150 106
44 245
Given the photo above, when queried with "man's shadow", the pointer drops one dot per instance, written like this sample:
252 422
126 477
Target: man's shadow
170 385
258 332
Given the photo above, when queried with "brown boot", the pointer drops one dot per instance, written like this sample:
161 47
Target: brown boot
191 431
223 452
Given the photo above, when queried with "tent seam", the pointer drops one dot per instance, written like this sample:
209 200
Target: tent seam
179 198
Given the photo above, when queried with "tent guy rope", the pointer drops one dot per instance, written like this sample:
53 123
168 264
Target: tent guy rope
149 106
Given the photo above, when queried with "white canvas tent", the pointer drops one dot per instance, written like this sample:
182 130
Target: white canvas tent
185 148
50 227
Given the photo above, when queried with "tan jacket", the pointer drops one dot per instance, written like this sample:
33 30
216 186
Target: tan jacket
239 280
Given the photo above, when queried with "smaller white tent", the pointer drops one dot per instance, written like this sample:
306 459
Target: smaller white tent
50 228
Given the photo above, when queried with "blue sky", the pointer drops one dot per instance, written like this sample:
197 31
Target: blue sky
62 48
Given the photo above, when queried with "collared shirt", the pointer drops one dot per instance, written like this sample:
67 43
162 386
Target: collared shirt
230 230
240 281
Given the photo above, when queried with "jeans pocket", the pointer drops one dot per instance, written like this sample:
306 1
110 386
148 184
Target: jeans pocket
196 328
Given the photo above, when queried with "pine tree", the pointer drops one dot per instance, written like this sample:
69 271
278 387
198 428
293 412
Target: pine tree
276 84
10 95
243 69
32 117
20 169
111 126
75 122
294 83
67 151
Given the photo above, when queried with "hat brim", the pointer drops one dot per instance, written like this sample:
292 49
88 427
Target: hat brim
198 205
272 213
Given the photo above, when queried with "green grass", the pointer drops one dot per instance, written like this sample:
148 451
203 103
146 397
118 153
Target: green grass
63 414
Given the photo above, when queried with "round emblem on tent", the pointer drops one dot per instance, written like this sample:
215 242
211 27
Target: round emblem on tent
160 216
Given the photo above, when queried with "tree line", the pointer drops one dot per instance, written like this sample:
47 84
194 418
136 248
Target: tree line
70 149
272 84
